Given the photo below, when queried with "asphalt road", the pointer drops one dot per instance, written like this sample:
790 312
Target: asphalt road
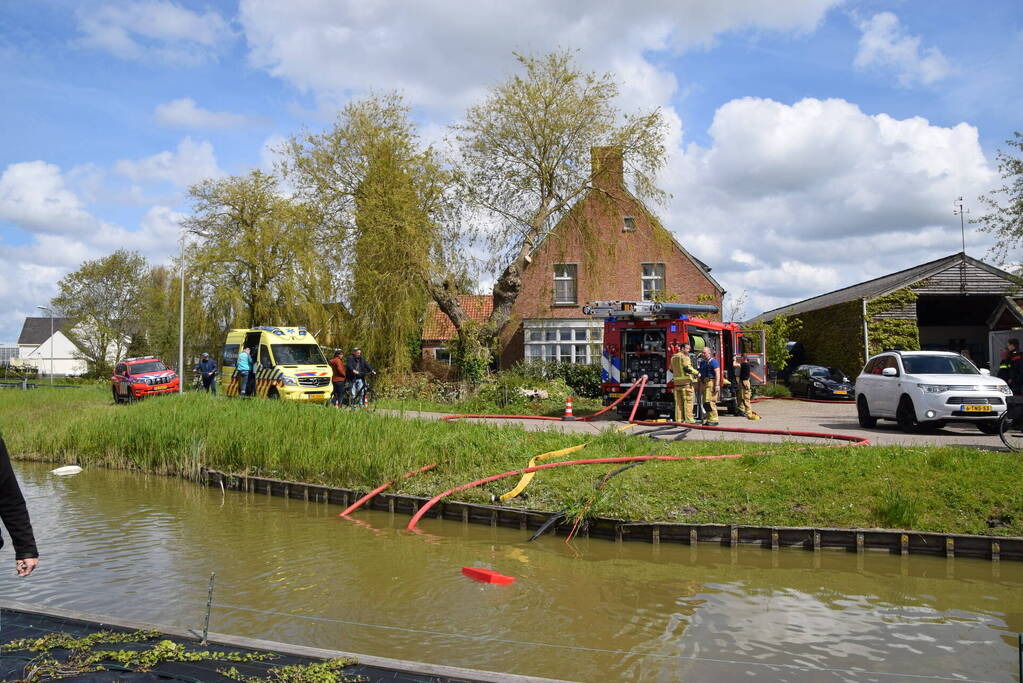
784 415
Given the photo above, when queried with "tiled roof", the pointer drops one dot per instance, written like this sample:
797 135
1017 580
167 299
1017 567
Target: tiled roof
882 285
437 326
37 330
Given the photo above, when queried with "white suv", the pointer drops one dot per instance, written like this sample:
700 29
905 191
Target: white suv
920 389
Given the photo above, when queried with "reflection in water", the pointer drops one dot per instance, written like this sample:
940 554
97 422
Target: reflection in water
142 547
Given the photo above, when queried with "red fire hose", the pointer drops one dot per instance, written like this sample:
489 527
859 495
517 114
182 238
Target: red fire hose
362 501
638 387
551 465
758 399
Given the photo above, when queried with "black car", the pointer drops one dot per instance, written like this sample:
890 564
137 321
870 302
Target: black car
817 381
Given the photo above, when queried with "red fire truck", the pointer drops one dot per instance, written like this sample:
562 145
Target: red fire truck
638 340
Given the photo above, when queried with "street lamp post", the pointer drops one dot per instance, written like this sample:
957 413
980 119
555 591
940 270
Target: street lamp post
50 311
181 320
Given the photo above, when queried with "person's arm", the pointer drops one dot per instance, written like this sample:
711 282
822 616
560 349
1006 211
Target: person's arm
717 374
14 514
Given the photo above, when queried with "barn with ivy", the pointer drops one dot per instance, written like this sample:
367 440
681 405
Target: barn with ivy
950 304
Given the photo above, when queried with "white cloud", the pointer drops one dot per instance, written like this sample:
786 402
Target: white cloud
192 162
442 55
790 201
885 45
154 30
185 113
269 152
34 196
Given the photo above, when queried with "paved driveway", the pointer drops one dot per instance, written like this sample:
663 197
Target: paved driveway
800 416
841 418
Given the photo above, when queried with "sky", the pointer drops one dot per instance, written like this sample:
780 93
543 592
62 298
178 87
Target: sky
812 144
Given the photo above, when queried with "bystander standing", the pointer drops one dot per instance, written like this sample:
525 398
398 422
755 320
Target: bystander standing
14 514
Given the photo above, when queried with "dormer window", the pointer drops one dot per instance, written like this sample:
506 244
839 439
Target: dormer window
628 224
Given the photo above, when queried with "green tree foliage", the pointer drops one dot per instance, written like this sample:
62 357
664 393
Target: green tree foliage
779 331
1005 221
381 200
160 317
255 259
102 300
526 160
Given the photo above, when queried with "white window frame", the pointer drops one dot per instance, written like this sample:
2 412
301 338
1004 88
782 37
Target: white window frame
542 348
574 279
646 280
628 224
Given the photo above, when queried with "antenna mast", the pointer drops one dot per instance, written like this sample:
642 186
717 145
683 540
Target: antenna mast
960 210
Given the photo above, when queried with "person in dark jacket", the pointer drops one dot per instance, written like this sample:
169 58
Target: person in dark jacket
1015 359
14 514
356 369
207 369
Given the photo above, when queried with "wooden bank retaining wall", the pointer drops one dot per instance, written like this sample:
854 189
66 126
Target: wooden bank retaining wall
900 542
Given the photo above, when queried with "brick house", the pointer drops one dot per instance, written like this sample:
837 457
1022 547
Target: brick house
438 329
608 246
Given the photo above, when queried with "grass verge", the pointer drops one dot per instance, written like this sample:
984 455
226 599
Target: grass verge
580 407
943 489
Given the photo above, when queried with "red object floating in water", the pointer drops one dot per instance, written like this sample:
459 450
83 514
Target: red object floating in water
487 575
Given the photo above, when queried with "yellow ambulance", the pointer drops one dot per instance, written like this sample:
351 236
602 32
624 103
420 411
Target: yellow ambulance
286 363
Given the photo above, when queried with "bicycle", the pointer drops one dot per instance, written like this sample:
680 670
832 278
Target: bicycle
364 398
1010 424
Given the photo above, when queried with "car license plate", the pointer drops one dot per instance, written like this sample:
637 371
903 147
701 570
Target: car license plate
616 395
976 409
841 391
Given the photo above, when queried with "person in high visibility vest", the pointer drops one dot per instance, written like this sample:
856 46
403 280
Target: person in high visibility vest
683 374
710 385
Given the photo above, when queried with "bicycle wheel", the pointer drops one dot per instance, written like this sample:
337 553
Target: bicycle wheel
1011 432
368 397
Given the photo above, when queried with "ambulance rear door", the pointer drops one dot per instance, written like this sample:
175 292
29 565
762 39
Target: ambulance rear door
753 344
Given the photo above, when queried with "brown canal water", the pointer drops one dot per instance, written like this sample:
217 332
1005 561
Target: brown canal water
142 547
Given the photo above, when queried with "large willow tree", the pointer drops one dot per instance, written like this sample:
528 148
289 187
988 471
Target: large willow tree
255 257
380 199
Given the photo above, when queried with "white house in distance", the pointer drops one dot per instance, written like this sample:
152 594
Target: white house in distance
55 354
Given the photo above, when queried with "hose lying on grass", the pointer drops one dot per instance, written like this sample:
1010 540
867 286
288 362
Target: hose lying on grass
564 463
638 387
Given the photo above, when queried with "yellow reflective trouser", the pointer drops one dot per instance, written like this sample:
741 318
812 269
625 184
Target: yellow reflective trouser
709 397
684 402
742 396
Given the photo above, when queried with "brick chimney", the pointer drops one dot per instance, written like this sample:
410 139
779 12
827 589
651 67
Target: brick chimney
607 167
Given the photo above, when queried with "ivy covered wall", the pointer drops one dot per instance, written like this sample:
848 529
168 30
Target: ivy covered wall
833 336
889 331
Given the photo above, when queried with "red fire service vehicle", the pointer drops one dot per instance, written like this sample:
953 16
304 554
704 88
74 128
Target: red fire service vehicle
638 340
136 378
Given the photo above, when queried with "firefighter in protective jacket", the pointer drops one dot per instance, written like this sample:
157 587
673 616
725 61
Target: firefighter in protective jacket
683 374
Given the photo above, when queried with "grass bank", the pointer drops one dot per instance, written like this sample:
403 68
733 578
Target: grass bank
580 406
944 489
